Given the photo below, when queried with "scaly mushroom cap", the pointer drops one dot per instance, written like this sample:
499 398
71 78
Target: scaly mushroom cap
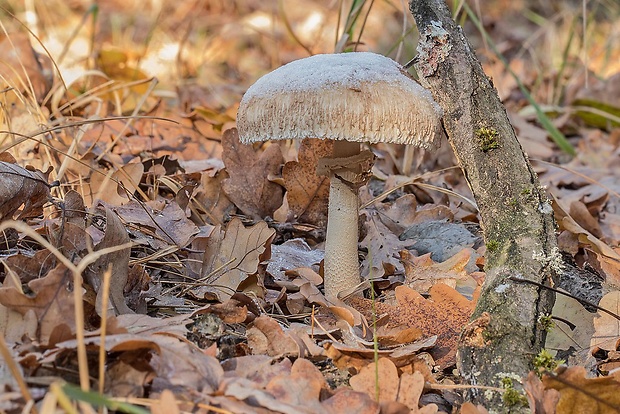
359 96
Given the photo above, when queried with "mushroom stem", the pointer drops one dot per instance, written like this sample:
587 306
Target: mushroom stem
341 261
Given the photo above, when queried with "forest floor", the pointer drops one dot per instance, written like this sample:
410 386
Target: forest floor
121 173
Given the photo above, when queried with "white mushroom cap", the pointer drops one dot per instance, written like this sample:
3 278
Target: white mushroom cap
358 96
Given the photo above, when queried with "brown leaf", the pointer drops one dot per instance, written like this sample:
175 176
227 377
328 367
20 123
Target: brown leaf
167 222
52 301
307 193
117 262
114 187
267 335
380 379
383 247
607 328
581 395
347 401
422 272
21 186
302 387
249 186
230 259
23 65
542 401
444 315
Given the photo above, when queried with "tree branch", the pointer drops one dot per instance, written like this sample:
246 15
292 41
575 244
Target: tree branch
517 220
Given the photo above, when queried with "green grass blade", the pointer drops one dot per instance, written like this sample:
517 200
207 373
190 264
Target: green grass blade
544 120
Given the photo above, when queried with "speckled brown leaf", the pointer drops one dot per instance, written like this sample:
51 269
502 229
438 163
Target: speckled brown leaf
307 193
443 314
249 186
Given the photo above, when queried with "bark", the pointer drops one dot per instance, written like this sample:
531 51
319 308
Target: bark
504 334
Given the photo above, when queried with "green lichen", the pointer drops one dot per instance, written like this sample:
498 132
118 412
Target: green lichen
487 138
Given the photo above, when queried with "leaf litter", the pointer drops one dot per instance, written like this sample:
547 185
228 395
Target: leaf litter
213 250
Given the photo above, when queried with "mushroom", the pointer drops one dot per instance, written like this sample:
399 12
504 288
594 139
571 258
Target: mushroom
349 98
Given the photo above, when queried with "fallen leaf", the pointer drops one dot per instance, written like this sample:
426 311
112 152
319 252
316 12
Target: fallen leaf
444 314
114 187
267 336
606 327
581 395
383 247
563 336
541 400
52 301
19 186
248 185
378 380
116 262
233 256
307 193
167 222
381 379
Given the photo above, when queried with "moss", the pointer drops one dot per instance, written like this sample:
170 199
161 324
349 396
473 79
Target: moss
492 245
512 397
546 322
526 192
487 138
544 362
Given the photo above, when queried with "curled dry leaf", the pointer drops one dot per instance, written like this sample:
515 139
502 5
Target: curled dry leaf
20 186
267 336
249 186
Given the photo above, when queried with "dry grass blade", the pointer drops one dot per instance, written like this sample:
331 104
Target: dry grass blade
10 362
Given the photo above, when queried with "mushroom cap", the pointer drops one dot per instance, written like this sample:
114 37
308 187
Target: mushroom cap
359 96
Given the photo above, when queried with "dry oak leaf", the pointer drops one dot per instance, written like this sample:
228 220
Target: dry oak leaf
581 395
249 186
306 192
541 400
20 186
231 257
168 222
444 314
52 301
607 328
382 378
117 262
114 187
266 336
